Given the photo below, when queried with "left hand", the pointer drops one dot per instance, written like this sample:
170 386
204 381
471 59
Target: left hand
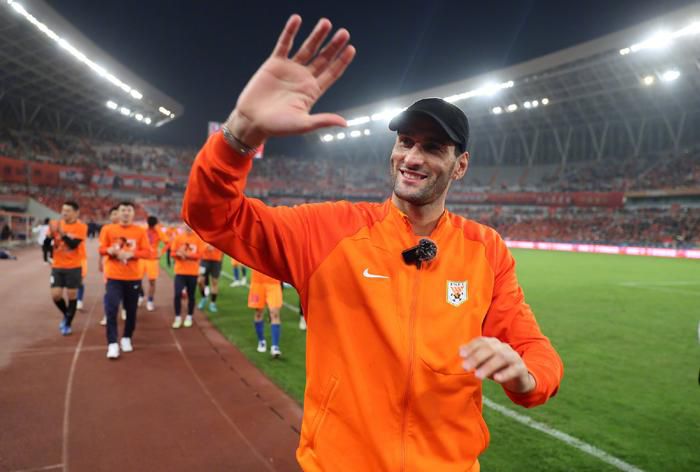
499 362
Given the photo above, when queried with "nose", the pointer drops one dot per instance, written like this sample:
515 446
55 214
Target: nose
414 157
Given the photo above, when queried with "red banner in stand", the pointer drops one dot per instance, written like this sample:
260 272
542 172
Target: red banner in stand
13 170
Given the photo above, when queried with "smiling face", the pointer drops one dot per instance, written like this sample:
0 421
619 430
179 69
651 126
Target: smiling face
423 162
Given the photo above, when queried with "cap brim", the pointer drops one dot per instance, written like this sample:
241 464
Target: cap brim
397 121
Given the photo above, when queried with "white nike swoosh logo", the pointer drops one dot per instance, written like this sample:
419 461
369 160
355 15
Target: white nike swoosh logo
373 276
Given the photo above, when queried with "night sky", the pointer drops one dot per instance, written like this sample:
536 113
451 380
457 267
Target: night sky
202 53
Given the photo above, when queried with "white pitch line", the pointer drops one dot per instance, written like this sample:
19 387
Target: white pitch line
69 386
38 469
570 440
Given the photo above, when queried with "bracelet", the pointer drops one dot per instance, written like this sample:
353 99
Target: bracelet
236 144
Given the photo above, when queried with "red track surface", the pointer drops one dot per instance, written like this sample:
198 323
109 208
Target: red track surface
183 400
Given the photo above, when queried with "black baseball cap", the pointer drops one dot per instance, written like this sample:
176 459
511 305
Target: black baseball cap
449 117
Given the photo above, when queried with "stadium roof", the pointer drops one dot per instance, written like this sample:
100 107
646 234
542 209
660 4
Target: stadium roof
649 70
53 76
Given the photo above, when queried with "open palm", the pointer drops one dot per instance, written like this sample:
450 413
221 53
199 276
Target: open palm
278 99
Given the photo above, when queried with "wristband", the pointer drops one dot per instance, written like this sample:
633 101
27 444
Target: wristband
236 144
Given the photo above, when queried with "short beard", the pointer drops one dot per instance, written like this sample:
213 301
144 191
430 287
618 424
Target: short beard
426 195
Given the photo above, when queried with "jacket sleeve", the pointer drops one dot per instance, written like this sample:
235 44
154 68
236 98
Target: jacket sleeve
282 242
511 320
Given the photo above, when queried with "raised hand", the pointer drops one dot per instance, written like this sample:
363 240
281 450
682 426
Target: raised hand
278 98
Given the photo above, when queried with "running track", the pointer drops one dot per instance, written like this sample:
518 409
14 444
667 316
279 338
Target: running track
183 400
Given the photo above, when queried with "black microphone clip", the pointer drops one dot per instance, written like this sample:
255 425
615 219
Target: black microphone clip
425 251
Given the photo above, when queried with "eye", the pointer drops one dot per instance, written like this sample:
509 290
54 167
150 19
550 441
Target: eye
406 141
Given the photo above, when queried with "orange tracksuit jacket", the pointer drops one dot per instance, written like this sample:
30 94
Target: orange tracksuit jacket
385 389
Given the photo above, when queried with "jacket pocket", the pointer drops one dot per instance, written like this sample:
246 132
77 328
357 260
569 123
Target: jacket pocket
320 416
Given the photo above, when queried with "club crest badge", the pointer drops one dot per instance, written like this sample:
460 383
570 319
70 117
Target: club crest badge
457 292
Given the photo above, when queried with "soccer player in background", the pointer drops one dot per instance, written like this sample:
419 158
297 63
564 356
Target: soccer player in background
68 236
187 250
113 219
209 270
124 243
152 263
266 291
240 277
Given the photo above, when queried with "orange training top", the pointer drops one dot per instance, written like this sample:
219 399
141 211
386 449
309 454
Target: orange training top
63 256
132 238
258 277
385 386
211 253
193 248
155 237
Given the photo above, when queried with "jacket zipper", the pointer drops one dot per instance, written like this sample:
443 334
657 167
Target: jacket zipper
411 351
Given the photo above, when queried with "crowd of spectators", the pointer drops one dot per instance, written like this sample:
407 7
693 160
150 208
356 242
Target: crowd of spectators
666 227
294 180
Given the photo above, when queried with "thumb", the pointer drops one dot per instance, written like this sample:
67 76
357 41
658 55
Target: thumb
325 120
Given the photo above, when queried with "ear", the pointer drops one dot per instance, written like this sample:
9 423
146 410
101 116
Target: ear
461 166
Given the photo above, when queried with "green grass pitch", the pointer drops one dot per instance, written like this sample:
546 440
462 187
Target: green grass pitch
627 330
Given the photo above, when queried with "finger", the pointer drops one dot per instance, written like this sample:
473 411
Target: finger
490 367
312 44
336 69
325 120
328 53
474 344
286 39
505 375
478 357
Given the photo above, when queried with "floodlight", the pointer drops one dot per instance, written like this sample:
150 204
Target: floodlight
535 104
625 51
649 80
327 138
366 132
136 94
164 111
497 110
545 101
340 136
527 105
359 121
139 117
512 107
125 111
670 75
111 105
355 133
147 120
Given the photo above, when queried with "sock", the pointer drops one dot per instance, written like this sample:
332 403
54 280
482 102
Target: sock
213 297
201 292
235 273
150 299
275 329
260 330
243 271
72 306
141 291
81 292
61 304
